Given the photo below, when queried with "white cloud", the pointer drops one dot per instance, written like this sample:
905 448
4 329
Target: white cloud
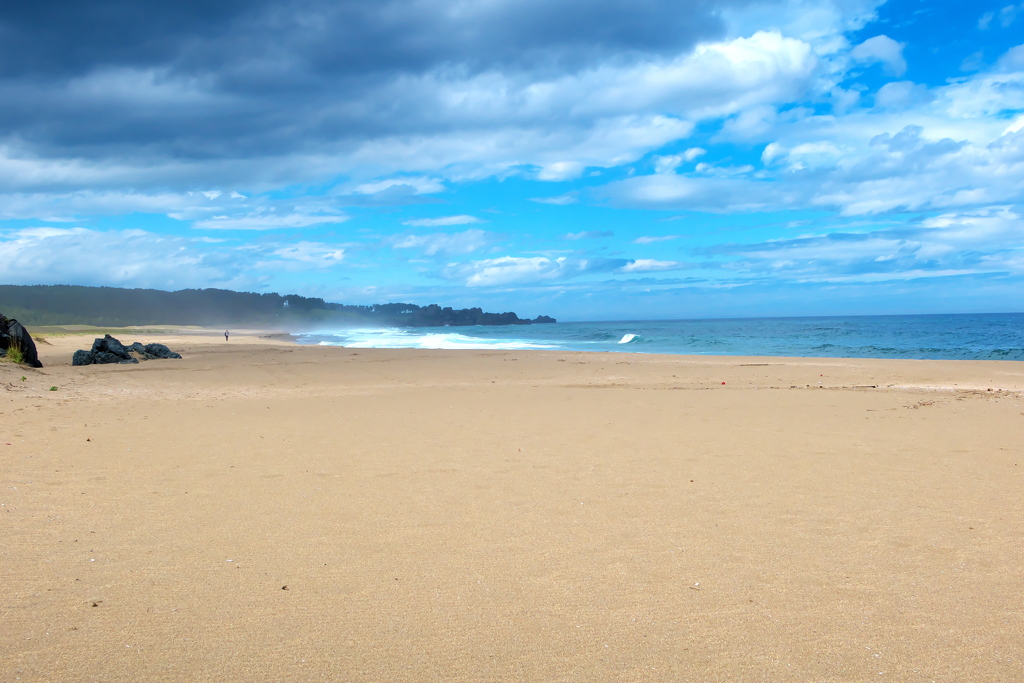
588 234
716 80
506 270
464 242
645 265
267 221
750 123
561 170
669 163
461 219
521 270
986 241
973 61
882 49
902 94
559 200
820 23
512 270
126 258
418 185
1008 14
712 194
1016 125
652 239
68 206
809 155
924 150
546 125
312 254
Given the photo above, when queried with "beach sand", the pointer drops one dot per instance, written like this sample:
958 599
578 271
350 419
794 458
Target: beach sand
266 511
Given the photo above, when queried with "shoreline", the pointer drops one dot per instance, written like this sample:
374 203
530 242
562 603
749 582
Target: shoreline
196 334
841 373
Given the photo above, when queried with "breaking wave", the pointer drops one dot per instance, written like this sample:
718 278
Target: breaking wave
393 338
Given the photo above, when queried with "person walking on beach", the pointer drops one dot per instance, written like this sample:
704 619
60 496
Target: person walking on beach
225 335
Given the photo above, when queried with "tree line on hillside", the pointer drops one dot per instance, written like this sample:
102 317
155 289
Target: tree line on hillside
116 307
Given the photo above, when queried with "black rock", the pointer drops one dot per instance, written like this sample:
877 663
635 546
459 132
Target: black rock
110 350
109 346
13 333
159 351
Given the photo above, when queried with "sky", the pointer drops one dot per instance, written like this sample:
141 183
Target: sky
591 160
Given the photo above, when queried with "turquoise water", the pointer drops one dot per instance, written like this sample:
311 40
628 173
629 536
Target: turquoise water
995 336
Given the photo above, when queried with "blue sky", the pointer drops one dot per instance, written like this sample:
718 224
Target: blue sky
588 160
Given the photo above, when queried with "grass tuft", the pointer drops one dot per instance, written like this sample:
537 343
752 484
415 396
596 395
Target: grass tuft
15 354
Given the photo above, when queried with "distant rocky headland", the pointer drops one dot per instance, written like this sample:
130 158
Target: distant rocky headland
116 307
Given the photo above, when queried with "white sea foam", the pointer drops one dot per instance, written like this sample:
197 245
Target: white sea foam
626 338
392 338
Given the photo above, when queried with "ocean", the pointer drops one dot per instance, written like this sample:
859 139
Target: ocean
994 336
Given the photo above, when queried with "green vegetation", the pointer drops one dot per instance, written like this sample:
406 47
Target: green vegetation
56 305
15 354
53 388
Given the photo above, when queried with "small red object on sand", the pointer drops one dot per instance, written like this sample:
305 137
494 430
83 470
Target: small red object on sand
723 382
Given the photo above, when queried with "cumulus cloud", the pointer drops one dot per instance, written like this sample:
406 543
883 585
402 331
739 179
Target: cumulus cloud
464 242
308 84
669 163
219 117
139 258
461 219
534 270
267 221
341 38
416 185
646 265
882 49
372 94
920 149
126 258
525 270
902 94
311 254
959 243
558 200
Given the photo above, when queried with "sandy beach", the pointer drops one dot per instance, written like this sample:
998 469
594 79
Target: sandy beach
265 511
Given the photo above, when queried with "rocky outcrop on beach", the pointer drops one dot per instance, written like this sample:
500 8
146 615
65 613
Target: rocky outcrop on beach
110 350
153 351
14 335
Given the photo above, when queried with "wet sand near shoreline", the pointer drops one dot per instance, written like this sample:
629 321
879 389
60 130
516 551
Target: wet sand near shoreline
261 510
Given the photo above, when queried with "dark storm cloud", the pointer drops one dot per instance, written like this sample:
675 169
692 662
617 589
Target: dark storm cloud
239 79
330 38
